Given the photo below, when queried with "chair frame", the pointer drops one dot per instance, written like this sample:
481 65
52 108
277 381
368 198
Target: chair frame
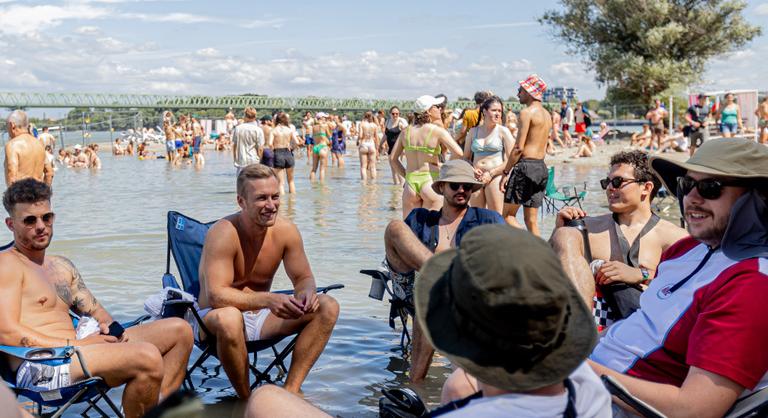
208 345
398 308
551 199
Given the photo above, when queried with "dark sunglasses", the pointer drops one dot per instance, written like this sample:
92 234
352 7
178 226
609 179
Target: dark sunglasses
455 186
395 114
710 189
617 182
31 220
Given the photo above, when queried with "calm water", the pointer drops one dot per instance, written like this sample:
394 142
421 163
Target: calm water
111 223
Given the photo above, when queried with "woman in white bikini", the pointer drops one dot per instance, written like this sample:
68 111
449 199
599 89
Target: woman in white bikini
488 147
367 146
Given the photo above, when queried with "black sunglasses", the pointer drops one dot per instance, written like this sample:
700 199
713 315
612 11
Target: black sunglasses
616 182
31 220
710 189
455 186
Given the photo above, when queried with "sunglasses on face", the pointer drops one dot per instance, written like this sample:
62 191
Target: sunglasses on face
616 182
31 220
395 114
455 186
710 189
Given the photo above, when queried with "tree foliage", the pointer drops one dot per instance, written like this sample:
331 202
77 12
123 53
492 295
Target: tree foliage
641 48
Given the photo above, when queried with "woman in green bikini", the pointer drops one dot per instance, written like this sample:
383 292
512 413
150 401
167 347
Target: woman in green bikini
421 143
321 133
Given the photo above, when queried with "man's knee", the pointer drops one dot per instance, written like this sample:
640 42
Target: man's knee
146 361
459 385
226 323
178 330
567 241
329 308
395 230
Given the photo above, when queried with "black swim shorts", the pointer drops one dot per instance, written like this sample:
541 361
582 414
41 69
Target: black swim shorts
527 183
283 158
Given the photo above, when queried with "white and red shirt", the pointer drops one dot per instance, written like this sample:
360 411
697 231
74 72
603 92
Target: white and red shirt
717 320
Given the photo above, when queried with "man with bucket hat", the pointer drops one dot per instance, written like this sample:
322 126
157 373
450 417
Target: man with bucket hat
697 343
525 175
424 232
513 321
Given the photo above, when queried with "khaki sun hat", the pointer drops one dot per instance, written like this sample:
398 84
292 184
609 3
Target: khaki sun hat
456 171
502 308
729 157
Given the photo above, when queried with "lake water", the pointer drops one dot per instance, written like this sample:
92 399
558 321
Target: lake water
111 224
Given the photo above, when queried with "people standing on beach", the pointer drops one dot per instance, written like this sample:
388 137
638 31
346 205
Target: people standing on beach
282 140
580 122
230 122
395 124
556 126
511 122
698 126
240 257
421 142
525 172
248 139
656 118
47 139
321 133
24 154
381 121
488 147
567 120
730 117
762 121
338 142
367 146
197 142
471 116
306 127
446 115
267 155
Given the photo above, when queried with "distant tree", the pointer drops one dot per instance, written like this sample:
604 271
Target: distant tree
639 49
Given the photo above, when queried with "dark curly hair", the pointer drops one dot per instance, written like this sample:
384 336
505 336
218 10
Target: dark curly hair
27 190
639 162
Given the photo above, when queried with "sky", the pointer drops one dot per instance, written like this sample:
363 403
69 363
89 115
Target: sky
389 49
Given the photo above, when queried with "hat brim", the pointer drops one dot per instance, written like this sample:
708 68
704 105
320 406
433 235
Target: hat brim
476 185
434 304
668 170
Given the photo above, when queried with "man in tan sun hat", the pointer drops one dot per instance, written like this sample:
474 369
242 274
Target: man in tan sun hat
697 343
525 175
425 232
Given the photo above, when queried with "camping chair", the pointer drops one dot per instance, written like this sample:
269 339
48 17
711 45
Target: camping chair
90 390
185 242
553 196
752 405
399 306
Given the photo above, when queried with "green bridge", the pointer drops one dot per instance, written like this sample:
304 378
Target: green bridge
161 101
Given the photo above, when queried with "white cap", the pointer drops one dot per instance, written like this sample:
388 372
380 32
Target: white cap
423 103
321 115
78 147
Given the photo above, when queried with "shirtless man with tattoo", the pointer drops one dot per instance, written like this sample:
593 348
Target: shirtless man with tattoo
241 255
38 290
525 175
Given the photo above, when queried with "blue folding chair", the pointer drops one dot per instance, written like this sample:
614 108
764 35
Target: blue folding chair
185 242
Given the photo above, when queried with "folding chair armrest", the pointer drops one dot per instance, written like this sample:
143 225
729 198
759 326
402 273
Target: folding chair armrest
136 321
324 289
29 353
618 390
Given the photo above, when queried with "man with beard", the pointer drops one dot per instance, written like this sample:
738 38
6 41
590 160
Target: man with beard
625 245
241 255
525 175
37 291
410 243
697 343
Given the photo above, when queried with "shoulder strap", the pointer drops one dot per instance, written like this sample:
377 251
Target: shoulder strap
631 254
570 409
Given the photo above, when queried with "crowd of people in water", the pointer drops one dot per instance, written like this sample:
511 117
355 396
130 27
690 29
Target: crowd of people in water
680 309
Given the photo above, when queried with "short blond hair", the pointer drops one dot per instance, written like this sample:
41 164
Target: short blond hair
253 172
250 113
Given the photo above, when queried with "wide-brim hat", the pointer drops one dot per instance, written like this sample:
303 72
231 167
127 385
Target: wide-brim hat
728 157
502 308
456 171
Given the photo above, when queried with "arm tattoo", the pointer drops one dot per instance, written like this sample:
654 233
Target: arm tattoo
25 342
71 287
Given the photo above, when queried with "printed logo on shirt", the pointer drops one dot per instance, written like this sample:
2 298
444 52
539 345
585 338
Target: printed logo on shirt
664 292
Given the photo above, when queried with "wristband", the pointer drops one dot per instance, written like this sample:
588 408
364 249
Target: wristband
646 275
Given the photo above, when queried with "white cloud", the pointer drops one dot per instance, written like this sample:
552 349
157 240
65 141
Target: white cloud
88 30
762 9
207 52
271 23
567 69
18 19
172 17
165 72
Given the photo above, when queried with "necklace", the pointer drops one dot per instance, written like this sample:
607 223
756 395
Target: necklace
448 234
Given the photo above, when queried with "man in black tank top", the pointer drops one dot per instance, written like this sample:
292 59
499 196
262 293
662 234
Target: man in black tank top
624 246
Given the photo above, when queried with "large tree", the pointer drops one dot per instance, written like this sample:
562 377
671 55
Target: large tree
641 48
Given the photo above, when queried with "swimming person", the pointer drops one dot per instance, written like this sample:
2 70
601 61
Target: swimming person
422 143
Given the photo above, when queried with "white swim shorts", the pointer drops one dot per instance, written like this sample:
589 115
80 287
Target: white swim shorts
253 320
